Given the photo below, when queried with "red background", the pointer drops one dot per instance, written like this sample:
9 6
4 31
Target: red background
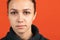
47 20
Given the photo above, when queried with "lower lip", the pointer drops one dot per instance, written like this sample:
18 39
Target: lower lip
21 27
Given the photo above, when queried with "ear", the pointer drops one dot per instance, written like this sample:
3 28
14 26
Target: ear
34 15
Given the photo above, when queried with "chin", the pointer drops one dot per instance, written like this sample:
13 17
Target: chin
21 31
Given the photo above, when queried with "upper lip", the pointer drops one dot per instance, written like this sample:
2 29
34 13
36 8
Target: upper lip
20 25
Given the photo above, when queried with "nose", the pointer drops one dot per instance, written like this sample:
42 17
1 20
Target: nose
20 18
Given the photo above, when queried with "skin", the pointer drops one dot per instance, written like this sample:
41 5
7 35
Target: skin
21 15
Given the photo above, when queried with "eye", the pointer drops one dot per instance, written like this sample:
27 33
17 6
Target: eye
13 12
26 12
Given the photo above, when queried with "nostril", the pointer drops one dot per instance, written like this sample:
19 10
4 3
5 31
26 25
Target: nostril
20 21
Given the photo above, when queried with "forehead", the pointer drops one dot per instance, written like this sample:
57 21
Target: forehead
21 0
21 4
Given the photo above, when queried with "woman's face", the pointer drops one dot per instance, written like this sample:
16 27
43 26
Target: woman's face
21 14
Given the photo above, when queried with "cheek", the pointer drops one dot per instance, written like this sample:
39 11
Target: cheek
12 20
29 20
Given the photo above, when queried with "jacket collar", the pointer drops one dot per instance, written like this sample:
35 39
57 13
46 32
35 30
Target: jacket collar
34 30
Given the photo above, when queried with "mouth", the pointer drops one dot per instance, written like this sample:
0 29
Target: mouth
21 26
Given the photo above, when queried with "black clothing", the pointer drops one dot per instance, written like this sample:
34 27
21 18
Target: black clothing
36 36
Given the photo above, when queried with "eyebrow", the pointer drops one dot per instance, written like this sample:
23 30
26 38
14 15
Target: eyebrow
13 9
27 9
16 9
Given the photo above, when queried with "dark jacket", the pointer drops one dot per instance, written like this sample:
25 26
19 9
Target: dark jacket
36 36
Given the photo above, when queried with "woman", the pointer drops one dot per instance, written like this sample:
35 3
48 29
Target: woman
21 14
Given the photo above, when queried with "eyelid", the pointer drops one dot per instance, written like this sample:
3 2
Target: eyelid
13 13
26 11
14 10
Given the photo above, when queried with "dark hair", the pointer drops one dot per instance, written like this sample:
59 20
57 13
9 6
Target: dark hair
34 2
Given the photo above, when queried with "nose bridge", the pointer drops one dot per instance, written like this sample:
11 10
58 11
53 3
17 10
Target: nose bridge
20 16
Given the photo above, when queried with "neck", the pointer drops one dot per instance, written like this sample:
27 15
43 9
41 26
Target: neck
26 35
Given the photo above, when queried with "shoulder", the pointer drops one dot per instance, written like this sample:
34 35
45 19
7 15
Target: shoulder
37 35
6 37
42 37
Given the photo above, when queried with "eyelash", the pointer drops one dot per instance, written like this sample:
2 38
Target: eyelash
14 13
25 13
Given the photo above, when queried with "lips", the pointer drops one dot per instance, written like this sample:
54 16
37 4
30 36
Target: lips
21 26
